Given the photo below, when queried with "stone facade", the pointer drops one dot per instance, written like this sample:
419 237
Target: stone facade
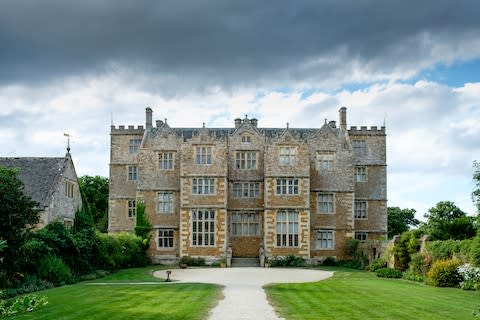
299 191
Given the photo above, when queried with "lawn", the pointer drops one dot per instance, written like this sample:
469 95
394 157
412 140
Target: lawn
361 295
113 297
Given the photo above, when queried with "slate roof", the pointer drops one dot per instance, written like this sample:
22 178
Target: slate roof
38 175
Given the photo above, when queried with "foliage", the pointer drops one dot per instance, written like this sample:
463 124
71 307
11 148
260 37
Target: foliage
120 250
192 261
143 227
329 261
351 264
475 250
389 273
376 264
449 249
447 221
400 220
287 261
476 190
22 304
53 269
95 198
413 276
409 244
17 217
470 277
444 273
84 237
30 284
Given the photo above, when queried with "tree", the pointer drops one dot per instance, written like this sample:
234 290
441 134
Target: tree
143 228
17 218
95 196
476 190
447 221
400 220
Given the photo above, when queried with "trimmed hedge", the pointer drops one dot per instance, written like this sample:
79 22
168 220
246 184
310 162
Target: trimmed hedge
451 249
389 273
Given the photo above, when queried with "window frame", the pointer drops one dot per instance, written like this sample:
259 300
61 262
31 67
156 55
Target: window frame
203 186
166 160
246 190
287 155
361 235
134 145
132 172
361 174
199 219
246 160
131 208
167 237
69 189
329 205
248 221
359 147
324 162
166 205
287 186
203 155
287 228
360 213
325 243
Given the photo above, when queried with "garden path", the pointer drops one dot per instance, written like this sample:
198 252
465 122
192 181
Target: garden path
244 297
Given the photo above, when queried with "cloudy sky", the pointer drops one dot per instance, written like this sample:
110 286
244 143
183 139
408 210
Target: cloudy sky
78 66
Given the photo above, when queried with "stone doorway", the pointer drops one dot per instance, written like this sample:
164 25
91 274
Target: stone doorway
245 234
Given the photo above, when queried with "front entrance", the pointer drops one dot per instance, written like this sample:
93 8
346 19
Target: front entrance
245 234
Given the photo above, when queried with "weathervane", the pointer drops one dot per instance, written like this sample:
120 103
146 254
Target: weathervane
68 141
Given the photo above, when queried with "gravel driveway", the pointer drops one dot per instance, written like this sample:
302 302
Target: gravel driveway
244 297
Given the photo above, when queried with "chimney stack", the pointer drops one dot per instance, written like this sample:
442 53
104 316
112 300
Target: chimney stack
254 122
343 118
238 123
148 112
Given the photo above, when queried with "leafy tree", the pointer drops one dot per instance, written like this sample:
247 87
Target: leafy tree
447 221
143 228
400 220
17 218
476 190
95 196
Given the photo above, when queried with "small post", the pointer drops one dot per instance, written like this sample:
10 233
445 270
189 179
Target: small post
168 276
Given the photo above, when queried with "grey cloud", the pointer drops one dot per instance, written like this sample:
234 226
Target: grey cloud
202 43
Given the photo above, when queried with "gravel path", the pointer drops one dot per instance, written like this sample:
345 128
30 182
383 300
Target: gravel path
244 297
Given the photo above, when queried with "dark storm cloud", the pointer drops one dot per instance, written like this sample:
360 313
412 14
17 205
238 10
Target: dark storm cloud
222 43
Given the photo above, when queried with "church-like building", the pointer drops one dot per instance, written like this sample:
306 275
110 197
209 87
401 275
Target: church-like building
209 191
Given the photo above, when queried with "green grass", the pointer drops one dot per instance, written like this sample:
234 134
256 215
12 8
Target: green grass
114 298
351 294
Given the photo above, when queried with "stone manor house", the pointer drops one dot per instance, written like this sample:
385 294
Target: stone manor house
209 191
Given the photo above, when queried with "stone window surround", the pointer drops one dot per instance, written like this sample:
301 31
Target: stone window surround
361 235
165 202
199 219
69 187
131 208
134 144
246 160
287 228
325 160
359 147
360 212
132 173
246 190
330 204
287 155
325 239
166 160
166 238
203 185
203 154
245 224
287 186
361 174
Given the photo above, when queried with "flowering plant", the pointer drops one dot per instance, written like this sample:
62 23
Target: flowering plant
470 276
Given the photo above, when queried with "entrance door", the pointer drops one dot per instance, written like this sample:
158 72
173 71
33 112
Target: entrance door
245 233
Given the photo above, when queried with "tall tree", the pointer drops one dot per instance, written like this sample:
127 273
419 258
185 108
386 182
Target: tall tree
95 193
447 221
400 220
476 189
17 218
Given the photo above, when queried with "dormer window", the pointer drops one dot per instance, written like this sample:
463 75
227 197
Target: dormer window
288 156
246 139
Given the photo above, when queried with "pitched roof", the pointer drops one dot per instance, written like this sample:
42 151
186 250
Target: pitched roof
38 175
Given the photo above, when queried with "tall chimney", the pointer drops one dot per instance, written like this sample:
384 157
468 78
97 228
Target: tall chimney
148 112
238 123
343 118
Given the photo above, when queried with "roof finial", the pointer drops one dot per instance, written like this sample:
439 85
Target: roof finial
203 125
287 125
246 116
68 141
165 120
325 120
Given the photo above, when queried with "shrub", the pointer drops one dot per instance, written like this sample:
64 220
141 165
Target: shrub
192 261
450 249
475 250
287 261
53 269
120 250
25 303
389 273
329 261
413 276
470 277
444 273
352 264
377 264
409 244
